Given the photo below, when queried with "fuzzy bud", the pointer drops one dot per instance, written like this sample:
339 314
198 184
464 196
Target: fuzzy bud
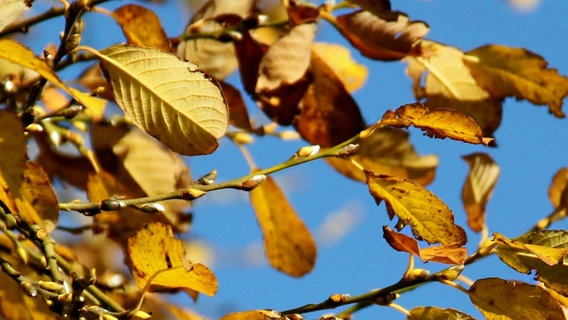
151 208
208 179
253 182
307 151
29 289
111 204
348 150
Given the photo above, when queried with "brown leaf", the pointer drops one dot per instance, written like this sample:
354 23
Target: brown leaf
517 72
498 299
329 115
382 35
301 13
249 53
283 73
430 219
352 74
159 258
449 84
142 27
288 244
401 242
238 114
388 151
478 187
558 190
374 6
439 123
434 313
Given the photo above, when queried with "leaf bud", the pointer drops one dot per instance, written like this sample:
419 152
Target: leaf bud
208 179
141 315
192 193
22 254
29 289
72 42
243 138
65 298
386 299
289 135
348 150
293 316
11 221
337 299
253 182
307 151
111 204
51 286
151 208
450 274
416 274
72 111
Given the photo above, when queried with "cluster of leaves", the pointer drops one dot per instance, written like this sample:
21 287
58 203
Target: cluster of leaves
138 187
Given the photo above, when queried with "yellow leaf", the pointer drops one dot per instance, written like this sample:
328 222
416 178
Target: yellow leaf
288 244
352 74
384 35
517 72
38 192
548 245
478 187
434 313
498 299
439 123
429 218
253 315
168 98
16 53
141 27
156 256
558 190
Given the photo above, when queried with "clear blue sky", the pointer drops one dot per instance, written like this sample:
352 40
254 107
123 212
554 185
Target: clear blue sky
531 149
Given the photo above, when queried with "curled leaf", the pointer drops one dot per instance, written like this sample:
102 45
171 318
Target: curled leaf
168 98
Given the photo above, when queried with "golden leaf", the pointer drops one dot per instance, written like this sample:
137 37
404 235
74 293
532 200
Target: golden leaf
16 53
478 187
429 218
288 244
558 190
141 27
498 299
329 114
384 35
449 84
168 98
434 313
388 151
156 256
439 123
253 315
517 72
352 74
36 189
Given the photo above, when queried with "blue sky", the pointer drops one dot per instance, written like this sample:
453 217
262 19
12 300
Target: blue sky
531 149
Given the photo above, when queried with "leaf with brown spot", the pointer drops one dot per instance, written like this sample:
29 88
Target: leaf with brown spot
558 190
517 72
288 244
329 114
382 35
142 27
448 83
498 299
388 151
439 123
478 187
429 218
435 313
281 86
352 74
157 257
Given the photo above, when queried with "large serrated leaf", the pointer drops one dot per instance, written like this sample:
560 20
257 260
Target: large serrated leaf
166 97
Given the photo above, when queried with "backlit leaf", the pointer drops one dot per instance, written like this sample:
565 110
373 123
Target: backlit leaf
12 10
168 98
16 53
352 74
156 256
439 123
401 242
282 79
329 114
239 116
388 151
141 27
478 187
253 315
558 190
382 36
378 6
288 244
549 246
434 313
498 299
430 219
38 192
442 78
517 72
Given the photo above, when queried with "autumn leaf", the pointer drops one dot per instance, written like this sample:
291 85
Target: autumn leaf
374 6
429 218
549 246
156 256
16 53
441 77
558 190
283 73
141 27
478 187
381 35
388 151
168 98
499 299
239 116
434 313
449 254
517 72
352 74
253 315
288 244
249 54
329 115
36 189
12 10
